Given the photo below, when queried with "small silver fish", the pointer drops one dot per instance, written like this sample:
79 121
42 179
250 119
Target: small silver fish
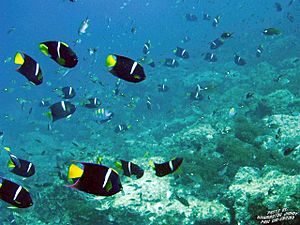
84 26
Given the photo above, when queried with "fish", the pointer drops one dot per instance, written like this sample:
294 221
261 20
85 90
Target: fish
122 128
290 17
95 179
68 92
291 2
216 21
60 110
60 52
259 51
168 62
146 48
1 136
84 26
232 112
92 51
14 194
226 35
29 68
11 219
163 88
147 61
196 95
125 68
44 103
216 43
181 52
249 95
103 115
10 30
163 169
148 103
239 60
92 103
130 168
182 200
271 31
210 57
19 166
191 17
289 150
185 39
278 7
206 16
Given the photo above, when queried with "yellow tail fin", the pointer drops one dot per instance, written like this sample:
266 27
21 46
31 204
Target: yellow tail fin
44 49
19 59
111 61
7 149
151 163
10 164
118 165
74 171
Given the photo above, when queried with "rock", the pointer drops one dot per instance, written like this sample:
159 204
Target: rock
270 191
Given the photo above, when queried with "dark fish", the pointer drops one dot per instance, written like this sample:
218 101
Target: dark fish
125 68
148 103
29 68
289 150
44 103
163 88
278 7
122 128
290 17
226 35
95 179
166 168
60 52
92 103
239 61
259 51
206 16
11 219
20 167
1 137
146 48
249 95
185 39
62 109
14 194
191 17
216 43
103 115
182 200
210 57
129 168
216 21
271 31
291 2
181 52
147 61
171 63
68 92
196 95
133 30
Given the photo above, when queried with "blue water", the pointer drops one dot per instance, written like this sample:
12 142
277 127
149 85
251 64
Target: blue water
25 24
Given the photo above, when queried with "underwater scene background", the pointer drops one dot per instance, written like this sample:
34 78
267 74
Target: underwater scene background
221 92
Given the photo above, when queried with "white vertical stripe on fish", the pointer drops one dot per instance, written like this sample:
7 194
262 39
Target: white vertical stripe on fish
133 67
106 177
17 193
63 105
171 165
